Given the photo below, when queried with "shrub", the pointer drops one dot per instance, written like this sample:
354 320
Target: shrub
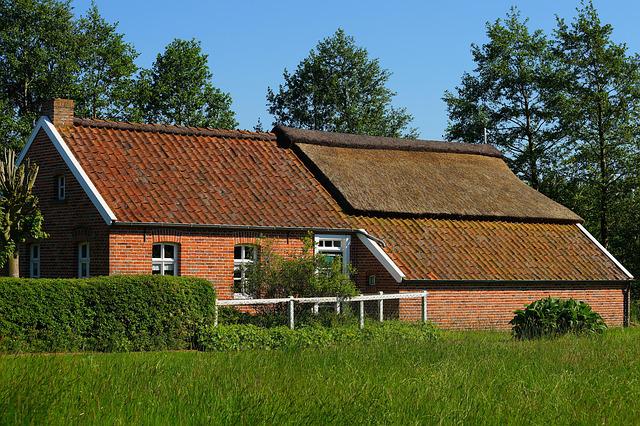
635 302
116 313
551 317
248 336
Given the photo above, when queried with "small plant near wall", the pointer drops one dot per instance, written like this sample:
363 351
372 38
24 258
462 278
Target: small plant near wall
306 274
552 317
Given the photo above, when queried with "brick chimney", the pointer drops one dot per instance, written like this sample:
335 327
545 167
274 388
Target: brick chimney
59 111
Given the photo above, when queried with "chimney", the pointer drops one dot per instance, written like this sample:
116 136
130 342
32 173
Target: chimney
59 111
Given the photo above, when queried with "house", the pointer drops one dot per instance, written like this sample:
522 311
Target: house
409 215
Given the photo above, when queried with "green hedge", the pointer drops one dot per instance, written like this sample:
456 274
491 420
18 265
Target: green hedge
247 336
116 313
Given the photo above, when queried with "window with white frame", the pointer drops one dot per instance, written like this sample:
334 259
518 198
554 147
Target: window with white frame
34 261
334 248
83 260
243 256
61 184
164 259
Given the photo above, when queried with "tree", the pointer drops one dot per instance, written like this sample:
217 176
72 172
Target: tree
178 90
37 62
600 112
339 88
510 94
20 217
106 68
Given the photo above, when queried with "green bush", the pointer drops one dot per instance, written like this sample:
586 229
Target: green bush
551 317
248 336
116 313
635 302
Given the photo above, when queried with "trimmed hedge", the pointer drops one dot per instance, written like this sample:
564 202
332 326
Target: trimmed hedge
551 317
115 313
239 337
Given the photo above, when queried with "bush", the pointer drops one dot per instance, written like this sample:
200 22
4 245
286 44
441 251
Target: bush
551 317
248 336
635 302
116 313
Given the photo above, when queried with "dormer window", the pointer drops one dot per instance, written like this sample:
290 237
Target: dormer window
61 185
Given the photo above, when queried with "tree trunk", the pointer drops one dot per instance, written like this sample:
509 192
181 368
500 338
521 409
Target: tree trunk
14 265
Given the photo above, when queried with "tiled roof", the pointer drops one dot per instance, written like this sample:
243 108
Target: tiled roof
169 174
490 250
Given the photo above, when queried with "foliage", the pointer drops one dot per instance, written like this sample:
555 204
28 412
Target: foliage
511 95
600 112
106 68
337 87
551 317
248 337
116 313
37 62
278 317
635 303
20 217
306 274
178 90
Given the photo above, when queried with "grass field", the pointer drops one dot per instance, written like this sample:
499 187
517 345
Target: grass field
470 377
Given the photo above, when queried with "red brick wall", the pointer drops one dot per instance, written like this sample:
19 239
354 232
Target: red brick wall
491 306
202 253
67 222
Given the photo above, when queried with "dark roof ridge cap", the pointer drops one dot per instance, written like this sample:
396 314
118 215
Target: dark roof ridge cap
289 135
172 129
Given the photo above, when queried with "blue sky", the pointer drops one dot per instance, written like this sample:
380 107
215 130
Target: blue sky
425 44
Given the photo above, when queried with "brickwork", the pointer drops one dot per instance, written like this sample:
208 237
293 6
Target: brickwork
59 111
491 306
68 222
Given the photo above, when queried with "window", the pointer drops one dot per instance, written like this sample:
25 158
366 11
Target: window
83 260
62 187
243 255
34 261
334 247
164 259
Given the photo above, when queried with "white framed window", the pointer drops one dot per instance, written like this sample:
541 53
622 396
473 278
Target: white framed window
34 261
83 260
334 247
164 259
243 256
61 185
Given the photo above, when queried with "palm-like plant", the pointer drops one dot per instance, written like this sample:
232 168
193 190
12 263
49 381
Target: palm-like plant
20 218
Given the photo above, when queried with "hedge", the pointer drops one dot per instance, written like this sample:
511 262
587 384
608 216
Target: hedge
238 337
115 313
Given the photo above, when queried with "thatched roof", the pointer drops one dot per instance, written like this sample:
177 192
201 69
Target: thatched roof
410 177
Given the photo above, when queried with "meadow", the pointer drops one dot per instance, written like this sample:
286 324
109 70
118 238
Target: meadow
463 377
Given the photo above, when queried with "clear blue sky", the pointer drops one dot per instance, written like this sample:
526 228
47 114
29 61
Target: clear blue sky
424 44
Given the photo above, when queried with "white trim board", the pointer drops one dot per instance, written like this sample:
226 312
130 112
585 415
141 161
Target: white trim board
604 250
381 256
73 165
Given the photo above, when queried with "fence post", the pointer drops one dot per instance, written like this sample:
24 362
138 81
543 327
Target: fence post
362 314
381 308
291 319
424 306
215 315
315 308
337 306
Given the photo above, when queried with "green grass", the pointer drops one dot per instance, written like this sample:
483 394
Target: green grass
465 377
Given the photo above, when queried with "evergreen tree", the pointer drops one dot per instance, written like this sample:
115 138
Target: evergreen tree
178 90
339 88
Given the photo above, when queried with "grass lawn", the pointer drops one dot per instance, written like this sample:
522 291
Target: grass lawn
470 377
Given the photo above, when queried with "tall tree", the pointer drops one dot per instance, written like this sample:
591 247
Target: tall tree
339 88
20 217
178 90
37 61
600 113
510 94
106 68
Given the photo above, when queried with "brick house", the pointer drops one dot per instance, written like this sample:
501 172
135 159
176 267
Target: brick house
451 218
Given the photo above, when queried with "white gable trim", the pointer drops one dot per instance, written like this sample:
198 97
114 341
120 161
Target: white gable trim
381 256
73 164
605 251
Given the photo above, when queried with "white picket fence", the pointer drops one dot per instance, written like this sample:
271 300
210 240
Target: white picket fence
337 301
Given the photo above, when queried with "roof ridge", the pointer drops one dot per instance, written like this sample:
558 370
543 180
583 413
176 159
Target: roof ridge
347 140
173 129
